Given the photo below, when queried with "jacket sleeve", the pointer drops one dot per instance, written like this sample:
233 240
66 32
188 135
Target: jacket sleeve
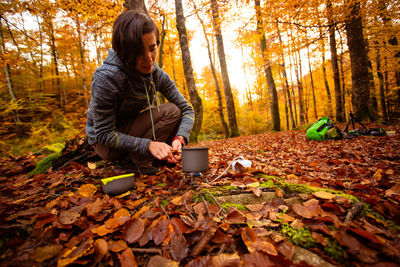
168 88
103 105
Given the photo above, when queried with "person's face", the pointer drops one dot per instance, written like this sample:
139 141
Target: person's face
145 62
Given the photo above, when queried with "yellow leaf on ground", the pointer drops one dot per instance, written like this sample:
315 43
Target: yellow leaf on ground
87 190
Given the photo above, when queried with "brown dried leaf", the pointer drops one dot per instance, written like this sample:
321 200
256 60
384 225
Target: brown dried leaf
179 248
117 245
160 231
44 253
302 211
256 259
223 260
133 230
160 261
69 216
92 209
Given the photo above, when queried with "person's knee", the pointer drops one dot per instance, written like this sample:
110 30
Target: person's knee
173 111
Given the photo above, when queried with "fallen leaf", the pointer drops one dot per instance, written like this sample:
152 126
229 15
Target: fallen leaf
101 248
302 211
394 190
92 209
133 230
91 165
87 190
69 216
179 248
324 195
74 253
117 245
44 253
256 259
127 259
224 259
160 261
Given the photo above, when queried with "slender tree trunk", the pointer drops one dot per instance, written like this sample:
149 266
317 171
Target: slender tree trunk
343 83
328 93
82 60
334 62
162 38
312 83
292 94
7 74
358 63
187 69
274 103
381 86
214 73
286 83
299 89
53 49
230 104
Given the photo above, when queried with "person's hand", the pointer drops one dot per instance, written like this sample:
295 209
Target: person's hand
162 151
176 149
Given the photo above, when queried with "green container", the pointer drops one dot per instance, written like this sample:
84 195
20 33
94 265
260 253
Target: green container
318 130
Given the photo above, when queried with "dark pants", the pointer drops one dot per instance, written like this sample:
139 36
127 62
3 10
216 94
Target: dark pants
166 118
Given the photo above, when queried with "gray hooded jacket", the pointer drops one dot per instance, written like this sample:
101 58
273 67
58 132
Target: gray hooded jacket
118 96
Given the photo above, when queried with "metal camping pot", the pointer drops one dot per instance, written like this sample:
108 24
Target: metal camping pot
194 159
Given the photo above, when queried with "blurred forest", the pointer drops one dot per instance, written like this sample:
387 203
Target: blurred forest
309 59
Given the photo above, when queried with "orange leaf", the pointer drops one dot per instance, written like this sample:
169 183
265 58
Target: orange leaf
101 248
87 190
127 259
324 195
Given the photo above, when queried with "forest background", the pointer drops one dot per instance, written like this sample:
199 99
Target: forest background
303 60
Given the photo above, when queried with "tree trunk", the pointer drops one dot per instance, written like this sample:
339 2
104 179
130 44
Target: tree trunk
274 106
358 63
53 49
299 89
136 4
230 104
381 86
214 73
328 93
187 69
82 59
286 83
312 83
7 74
162 38
343 86
334 62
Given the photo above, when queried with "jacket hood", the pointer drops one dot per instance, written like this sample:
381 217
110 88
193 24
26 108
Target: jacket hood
113 59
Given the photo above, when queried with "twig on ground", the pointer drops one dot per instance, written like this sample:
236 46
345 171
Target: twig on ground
147 250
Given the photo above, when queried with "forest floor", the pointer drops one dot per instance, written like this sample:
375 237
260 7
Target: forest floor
301 203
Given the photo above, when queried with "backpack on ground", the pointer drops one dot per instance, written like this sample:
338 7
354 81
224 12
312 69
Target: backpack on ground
323 129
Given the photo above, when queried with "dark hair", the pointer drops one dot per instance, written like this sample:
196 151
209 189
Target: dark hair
127 34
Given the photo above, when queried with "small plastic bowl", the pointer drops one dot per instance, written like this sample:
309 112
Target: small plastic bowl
118 184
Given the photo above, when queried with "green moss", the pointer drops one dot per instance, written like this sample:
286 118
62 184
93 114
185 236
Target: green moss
43 165
162 184
335 251
301 237
56 147
367 210
164 203
260 151
268 184
237 206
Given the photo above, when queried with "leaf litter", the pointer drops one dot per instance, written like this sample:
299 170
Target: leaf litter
334 203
